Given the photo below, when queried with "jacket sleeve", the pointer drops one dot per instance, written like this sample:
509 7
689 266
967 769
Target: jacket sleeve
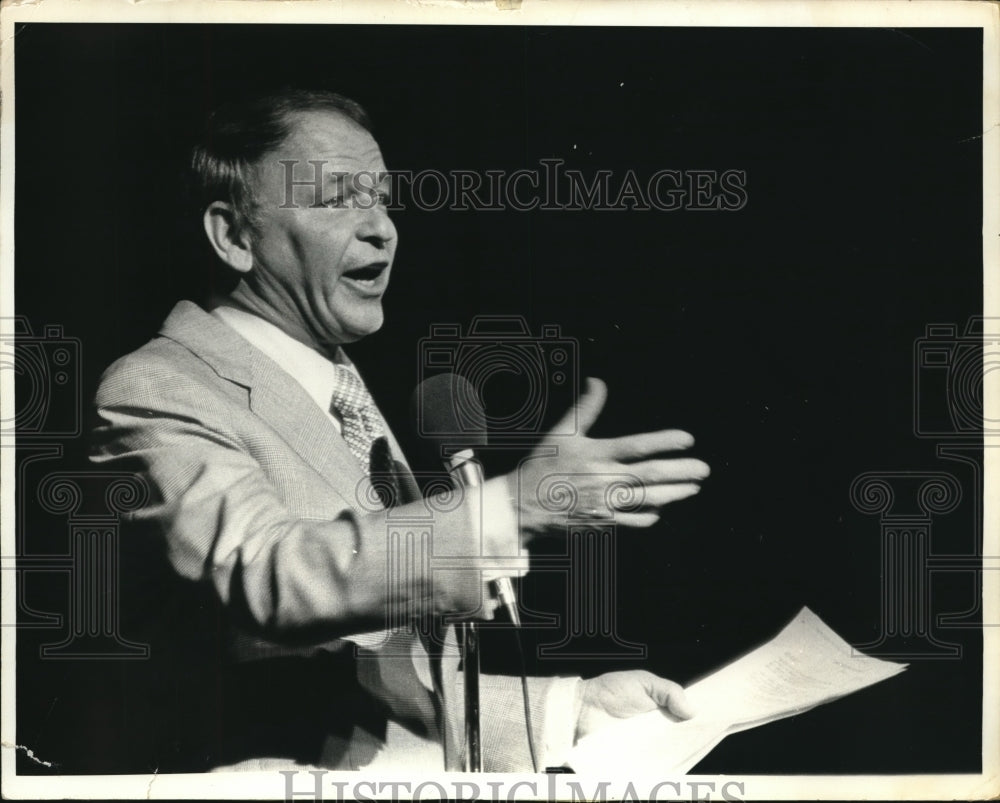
220 521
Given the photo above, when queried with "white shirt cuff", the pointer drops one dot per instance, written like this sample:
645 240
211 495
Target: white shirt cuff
500 534
562 710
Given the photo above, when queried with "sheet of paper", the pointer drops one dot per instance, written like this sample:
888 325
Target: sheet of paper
805 665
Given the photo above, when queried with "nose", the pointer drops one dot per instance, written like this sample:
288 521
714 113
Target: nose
376 227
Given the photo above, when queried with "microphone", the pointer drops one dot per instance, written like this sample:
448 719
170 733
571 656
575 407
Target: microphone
448 413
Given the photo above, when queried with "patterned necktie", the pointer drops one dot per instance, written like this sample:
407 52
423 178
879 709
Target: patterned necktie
362 425
364 434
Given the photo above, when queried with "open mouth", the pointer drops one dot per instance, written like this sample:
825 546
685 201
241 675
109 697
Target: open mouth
366 276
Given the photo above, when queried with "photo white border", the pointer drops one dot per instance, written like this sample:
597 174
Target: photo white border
728 13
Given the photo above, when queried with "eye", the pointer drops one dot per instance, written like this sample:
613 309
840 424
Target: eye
335 202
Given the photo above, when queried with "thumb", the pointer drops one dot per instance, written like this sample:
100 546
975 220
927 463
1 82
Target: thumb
670 695
585 411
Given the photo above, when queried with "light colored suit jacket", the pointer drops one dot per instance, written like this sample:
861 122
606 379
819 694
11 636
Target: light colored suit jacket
258 555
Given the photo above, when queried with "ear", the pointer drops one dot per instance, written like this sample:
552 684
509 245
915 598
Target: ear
231 245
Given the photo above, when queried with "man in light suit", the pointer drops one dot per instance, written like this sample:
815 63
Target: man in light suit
258 570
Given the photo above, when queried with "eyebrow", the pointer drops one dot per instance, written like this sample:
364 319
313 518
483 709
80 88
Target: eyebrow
382 176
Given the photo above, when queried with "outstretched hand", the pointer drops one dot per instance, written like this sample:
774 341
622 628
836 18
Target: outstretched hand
629 477
618 695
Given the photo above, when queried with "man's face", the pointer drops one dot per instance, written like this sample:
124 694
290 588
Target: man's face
322 271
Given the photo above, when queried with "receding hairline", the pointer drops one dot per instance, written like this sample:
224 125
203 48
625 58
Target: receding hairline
294 120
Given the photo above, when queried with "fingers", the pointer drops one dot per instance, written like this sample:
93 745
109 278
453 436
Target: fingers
681 469
669 695
637 520
641 510
605 474
586 409
642 445
655 496
660 495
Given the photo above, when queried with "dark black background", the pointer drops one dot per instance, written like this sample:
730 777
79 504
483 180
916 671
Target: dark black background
781 335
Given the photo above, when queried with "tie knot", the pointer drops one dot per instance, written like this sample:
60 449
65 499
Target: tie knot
349 395
360 419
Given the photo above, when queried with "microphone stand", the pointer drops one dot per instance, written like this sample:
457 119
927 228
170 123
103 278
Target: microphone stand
467 473
470 671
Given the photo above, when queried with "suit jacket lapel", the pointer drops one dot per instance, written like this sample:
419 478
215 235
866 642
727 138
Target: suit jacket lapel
274 396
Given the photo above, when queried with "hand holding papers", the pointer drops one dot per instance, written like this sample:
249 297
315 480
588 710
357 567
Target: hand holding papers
805 665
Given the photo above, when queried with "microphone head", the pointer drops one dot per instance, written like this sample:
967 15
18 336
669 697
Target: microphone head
448 411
